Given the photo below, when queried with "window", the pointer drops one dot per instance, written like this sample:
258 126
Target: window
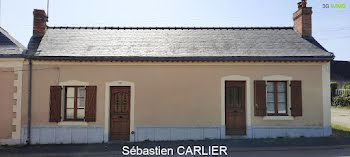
74 103
234 97
271 98
276 98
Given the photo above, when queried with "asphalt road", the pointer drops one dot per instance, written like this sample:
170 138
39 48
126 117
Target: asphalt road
317 151
326 146
293 152
341 117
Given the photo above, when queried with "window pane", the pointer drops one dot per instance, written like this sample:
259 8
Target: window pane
269 87
281 86
117 102
70 102
123 107
81 113
281 107
81 92
70 92
281 97
70 113
230 90
81 102
238 97
270 108
270 97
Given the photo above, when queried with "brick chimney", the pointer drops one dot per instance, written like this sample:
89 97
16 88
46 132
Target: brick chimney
39 22
302 19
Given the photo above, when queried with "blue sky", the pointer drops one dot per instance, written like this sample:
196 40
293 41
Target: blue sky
331 27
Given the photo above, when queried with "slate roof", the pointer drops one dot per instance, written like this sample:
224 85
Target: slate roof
169 43
340 71
9 47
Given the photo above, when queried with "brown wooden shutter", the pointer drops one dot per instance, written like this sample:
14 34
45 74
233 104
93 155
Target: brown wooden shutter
55 104
260 98
296 98
90 104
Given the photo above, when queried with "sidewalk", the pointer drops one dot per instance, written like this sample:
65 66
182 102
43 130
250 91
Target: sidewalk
341 117
233 145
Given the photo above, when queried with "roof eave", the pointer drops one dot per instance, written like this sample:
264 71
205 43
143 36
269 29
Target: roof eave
11 56
194 58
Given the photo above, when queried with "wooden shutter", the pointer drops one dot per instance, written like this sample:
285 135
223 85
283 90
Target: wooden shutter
260 98
55 104
296 98
90 104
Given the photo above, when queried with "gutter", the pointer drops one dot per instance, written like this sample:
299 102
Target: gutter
29 102
11 56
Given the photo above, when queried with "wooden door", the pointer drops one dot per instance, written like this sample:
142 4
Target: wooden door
235 120
120 113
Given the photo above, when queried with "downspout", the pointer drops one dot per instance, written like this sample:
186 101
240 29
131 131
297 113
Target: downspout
39 29
29 101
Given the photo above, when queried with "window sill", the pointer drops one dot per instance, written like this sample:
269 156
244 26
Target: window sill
77 123
278 118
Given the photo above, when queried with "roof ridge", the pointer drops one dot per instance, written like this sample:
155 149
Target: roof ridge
172 28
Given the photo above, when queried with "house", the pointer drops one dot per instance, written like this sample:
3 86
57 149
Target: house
11 65
98 84
340 72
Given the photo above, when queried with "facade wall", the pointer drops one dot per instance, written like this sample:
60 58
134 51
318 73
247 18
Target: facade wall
178 96
10 100
7 101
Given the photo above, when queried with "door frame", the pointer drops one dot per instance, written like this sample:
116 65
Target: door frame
107 107
247 105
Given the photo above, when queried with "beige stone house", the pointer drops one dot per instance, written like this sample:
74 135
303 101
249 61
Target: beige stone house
11 65
97 84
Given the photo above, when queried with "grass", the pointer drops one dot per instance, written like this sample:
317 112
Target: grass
340 131
342 107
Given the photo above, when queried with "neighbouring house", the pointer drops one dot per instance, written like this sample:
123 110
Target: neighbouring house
98 84
340 72
11 65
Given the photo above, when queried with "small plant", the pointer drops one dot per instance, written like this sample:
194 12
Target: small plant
346 86
341 100
334 86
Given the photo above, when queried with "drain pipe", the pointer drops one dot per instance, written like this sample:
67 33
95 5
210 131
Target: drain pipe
29 102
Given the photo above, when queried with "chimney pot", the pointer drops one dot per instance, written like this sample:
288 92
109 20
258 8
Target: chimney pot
39 22
302 19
